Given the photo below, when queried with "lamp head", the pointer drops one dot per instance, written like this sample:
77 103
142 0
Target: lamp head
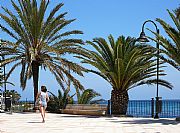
142 38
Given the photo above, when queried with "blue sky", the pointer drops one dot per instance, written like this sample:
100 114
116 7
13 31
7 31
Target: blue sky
99 18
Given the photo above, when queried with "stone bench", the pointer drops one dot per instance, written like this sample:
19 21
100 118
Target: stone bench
85 109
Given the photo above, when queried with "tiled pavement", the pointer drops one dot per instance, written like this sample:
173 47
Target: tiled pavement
62 123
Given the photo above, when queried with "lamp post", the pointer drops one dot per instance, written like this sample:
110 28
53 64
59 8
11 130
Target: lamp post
143 38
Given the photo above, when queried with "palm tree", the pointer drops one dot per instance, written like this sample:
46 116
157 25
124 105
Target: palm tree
39 39
60 101
171 47
87 96
124 65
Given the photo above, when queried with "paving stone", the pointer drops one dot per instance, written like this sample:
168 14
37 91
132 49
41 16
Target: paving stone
62 123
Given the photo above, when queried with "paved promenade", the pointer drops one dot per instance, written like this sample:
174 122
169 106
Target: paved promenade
61 123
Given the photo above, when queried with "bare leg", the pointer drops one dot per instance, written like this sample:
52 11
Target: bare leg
42 112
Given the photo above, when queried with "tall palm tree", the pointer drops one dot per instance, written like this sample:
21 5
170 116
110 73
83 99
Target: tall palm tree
124 65
40 39
171 47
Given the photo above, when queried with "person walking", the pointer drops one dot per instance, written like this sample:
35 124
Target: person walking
43 99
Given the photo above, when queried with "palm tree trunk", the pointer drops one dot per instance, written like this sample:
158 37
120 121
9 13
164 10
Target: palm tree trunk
119 102
35 71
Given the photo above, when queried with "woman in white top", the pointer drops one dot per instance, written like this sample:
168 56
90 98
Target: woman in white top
43 99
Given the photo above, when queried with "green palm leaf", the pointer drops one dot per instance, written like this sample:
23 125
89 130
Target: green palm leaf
170 47
87 96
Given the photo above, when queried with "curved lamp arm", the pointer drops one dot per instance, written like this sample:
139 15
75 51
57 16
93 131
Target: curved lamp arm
157 30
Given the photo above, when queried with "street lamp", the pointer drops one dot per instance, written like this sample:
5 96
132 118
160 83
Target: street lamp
143 38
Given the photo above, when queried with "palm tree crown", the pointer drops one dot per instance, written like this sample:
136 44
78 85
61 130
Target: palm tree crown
122 63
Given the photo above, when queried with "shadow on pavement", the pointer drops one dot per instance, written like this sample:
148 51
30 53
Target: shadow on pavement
148 121
80 116
34 122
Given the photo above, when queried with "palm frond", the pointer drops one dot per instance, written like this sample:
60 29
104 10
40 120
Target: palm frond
154 81
171 48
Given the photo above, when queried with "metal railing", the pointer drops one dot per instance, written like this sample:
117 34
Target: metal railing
146 108
170 108
136 108
22 106
140 108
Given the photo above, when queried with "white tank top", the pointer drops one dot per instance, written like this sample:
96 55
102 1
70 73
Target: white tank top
43 96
